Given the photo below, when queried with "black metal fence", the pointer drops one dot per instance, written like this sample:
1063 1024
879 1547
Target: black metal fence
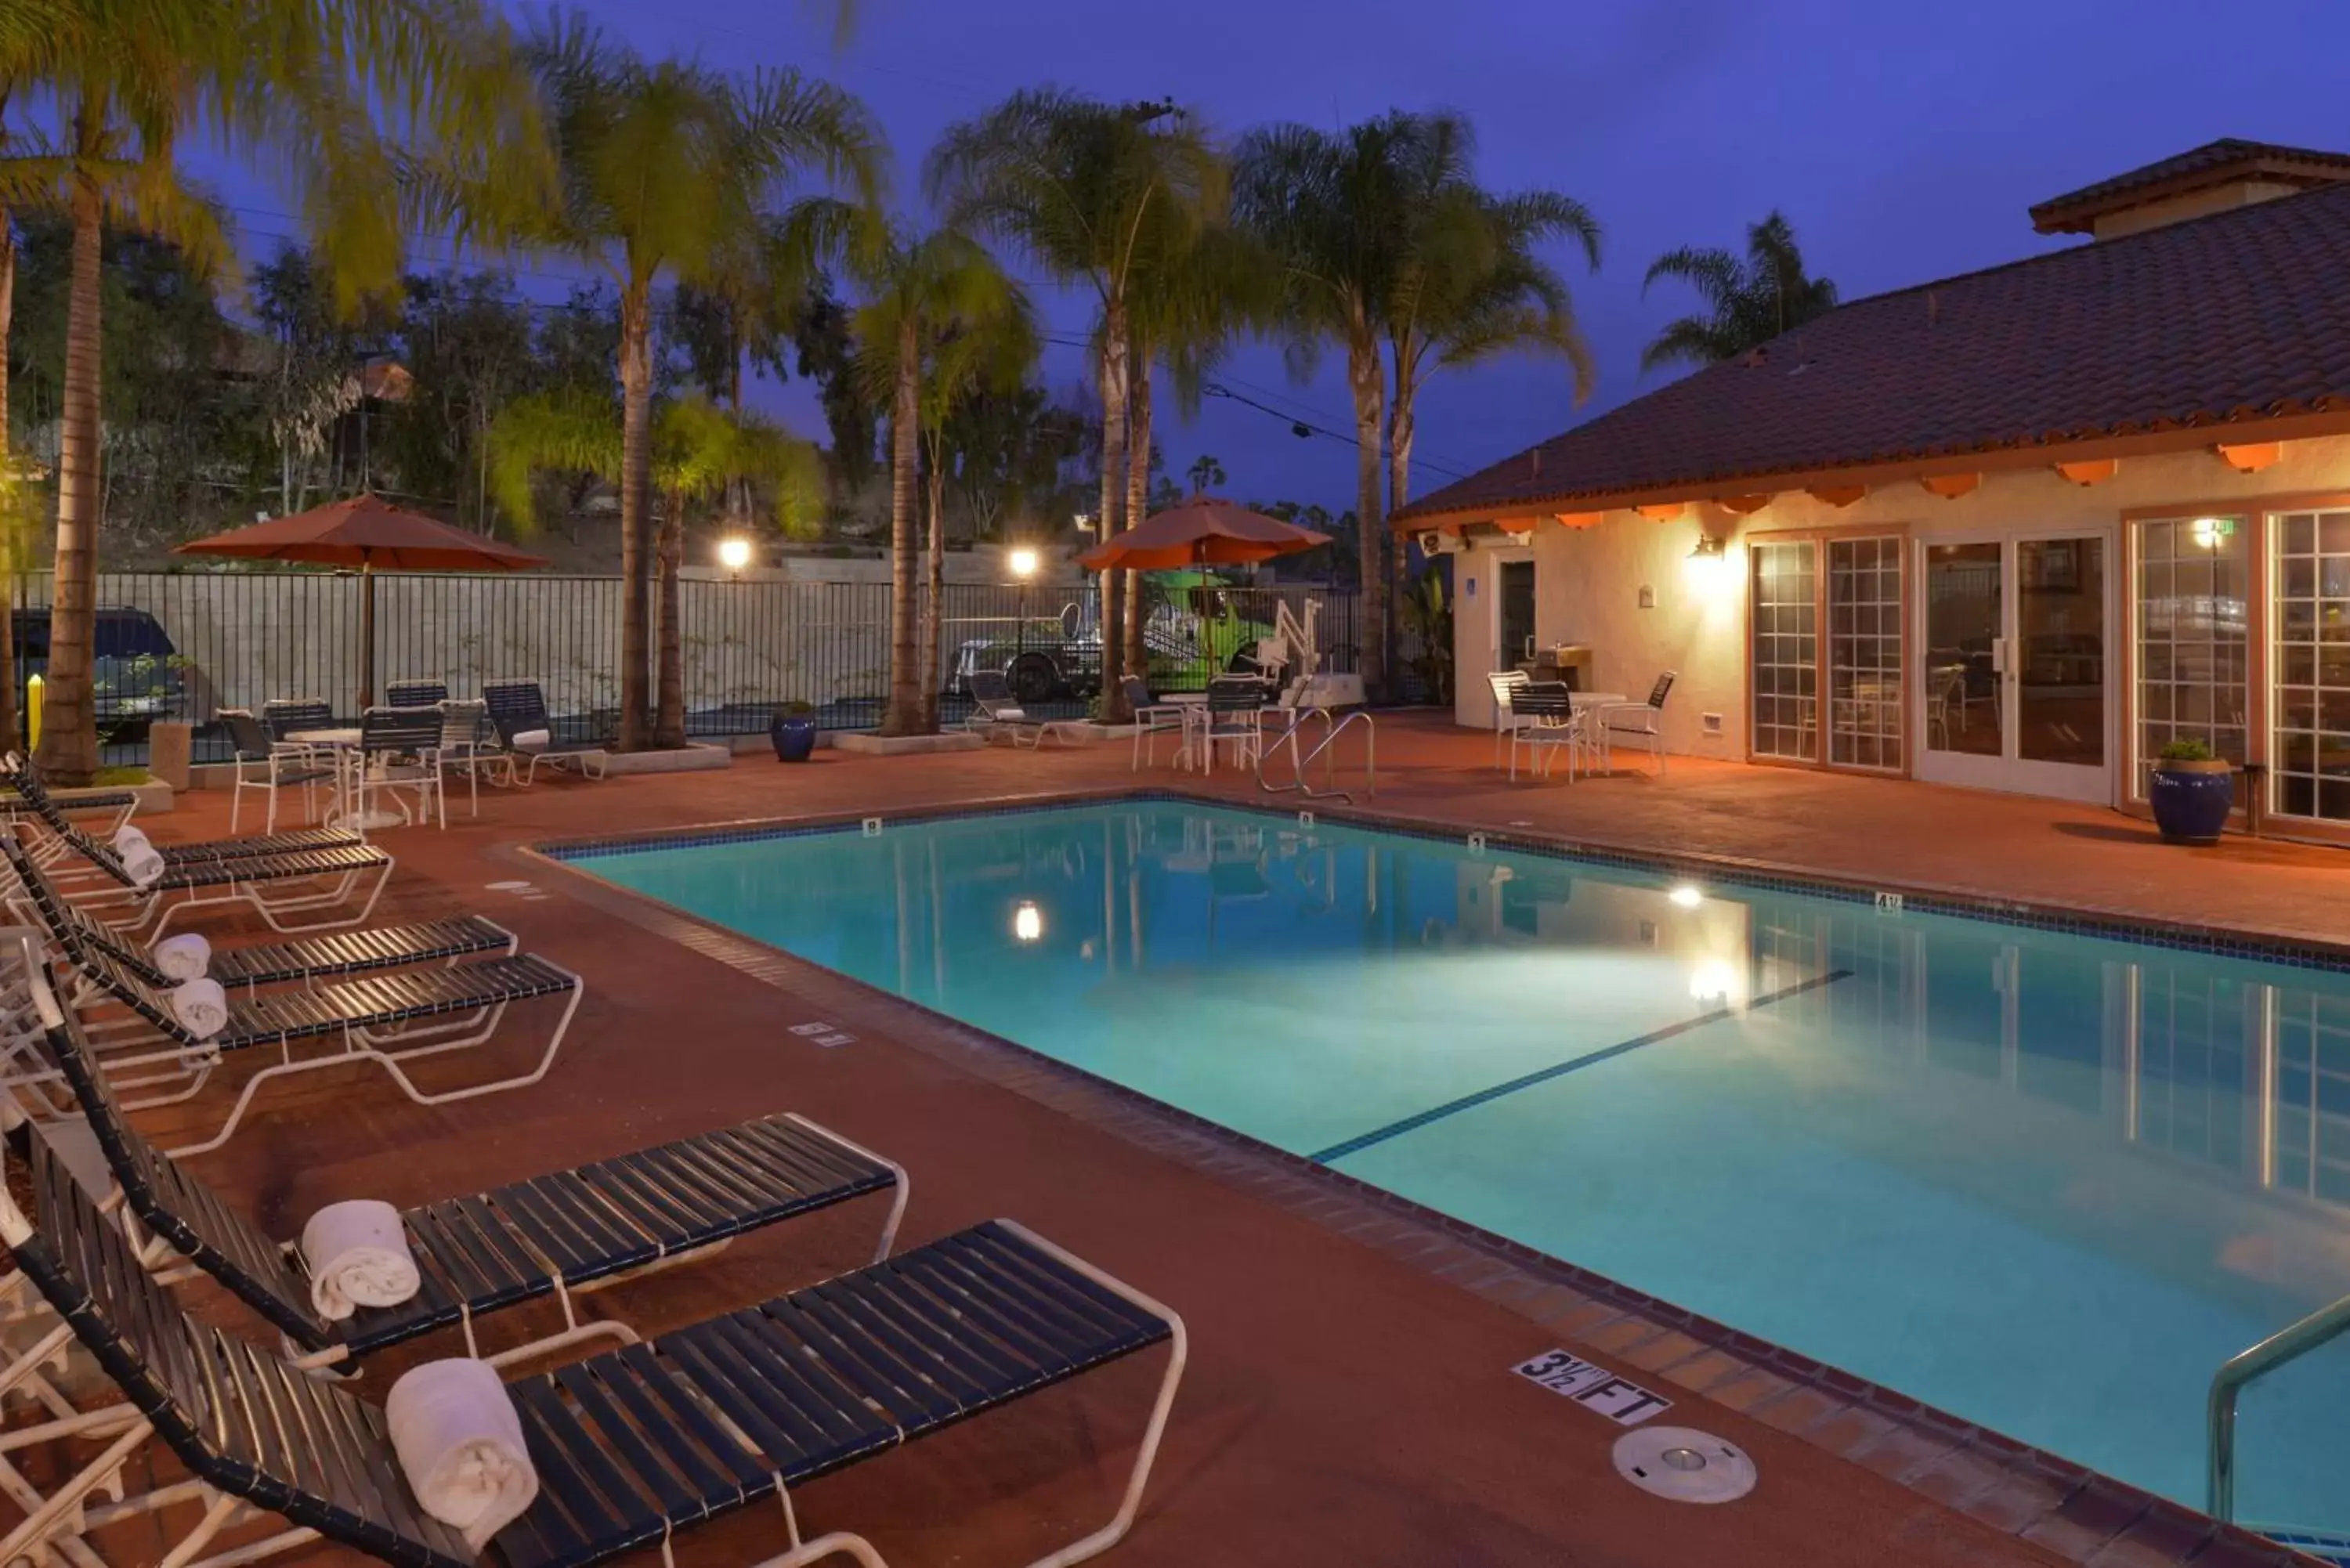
184 645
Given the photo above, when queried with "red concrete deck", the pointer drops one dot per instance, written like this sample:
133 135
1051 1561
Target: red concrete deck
1349 1401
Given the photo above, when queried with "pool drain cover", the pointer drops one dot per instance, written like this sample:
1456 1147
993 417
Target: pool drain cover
1684 1464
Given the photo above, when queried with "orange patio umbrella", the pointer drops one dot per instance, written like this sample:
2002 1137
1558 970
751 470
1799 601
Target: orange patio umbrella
1205 531
366 532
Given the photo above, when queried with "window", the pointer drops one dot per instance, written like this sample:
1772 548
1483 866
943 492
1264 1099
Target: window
2309 751
1786 651
1864 653
2193 668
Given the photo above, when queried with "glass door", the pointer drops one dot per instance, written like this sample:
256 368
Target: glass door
1513 612
2012 664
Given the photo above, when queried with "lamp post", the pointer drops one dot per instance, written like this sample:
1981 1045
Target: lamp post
1022 561
734 554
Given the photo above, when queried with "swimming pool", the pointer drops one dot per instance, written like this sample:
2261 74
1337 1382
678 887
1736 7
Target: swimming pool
2047 1181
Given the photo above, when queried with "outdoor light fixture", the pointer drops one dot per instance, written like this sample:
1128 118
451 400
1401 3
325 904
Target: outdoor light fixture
733 552
1027 922
1022 561
1686 897
1710 569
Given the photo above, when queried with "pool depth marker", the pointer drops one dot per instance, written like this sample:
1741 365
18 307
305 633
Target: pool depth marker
1338 1151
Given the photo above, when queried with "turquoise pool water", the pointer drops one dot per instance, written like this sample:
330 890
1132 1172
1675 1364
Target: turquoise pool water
2046 1182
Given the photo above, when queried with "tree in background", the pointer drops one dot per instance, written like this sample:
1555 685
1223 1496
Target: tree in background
1091 193
699 453
824 351
1005 449
939 319
1206 473
319 91
1747 301
316 376
666 166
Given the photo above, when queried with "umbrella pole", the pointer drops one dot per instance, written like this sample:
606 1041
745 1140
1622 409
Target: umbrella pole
367 636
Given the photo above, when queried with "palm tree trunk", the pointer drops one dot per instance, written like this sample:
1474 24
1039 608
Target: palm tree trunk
934 574
669 718
636 502
1114 482
11 551
1402 425
904 716
1138 500
1367 380
68 751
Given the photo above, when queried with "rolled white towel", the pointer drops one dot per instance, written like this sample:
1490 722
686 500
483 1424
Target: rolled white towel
460 1447
184 957
200 1006
142 862
1011 715
358 1253
532 740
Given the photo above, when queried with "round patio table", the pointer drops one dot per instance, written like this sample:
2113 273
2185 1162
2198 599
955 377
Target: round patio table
344 743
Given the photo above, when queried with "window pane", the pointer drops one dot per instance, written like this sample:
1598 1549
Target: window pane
2309 749
2191 654
1785 586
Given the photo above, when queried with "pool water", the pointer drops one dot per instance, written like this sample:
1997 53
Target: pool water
2048 1182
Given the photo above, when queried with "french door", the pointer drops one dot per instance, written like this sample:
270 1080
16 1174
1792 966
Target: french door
2010 680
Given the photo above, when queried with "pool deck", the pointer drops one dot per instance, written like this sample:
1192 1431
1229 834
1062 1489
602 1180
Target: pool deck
1349 1399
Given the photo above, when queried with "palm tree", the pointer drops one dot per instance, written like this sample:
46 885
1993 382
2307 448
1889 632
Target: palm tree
1333 208
1206 473
1090 194
699 452
1748 302
940 320
667 166
319 90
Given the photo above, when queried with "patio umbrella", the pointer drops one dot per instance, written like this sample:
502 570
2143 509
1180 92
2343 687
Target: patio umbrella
1205 531
366 532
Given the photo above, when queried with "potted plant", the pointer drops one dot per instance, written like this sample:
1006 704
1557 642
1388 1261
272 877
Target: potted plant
2192 793
793 732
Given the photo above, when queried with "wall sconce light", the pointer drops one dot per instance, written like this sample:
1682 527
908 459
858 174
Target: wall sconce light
1709 568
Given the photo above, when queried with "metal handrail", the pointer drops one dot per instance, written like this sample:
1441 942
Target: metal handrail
1304 762
2288 1343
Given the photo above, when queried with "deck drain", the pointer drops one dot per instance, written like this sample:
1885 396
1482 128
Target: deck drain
1684 1464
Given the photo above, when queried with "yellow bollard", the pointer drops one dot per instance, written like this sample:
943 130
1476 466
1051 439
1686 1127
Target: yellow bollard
33 713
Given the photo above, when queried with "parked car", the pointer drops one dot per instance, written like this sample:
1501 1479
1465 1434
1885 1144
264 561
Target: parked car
137 675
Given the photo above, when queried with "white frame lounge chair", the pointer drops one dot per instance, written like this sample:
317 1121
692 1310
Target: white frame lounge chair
518 708
628 1446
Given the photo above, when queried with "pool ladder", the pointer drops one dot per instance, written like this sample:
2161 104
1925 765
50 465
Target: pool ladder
1301 782
2291 1342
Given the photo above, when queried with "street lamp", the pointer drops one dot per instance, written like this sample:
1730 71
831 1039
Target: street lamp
734 553
1022 561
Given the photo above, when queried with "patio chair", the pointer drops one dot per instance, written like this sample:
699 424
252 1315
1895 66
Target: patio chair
1546 722
416 694
466 746
628 1446
1638 724
286 718
390 1017
550 1235
1505 684
304 960
1233 717
1152 718
260 763
517 710
399 751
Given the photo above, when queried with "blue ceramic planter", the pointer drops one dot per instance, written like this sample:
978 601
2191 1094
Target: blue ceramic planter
2192 800
794 738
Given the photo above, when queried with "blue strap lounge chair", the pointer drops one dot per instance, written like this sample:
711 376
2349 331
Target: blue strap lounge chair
517 710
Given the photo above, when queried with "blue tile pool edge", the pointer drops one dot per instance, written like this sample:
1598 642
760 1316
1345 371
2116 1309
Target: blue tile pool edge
2070 1481
2225 941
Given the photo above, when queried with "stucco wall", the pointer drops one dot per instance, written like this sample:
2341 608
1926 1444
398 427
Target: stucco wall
1588 580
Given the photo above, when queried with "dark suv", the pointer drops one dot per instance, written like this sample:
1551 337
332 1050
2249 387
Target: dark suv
137 674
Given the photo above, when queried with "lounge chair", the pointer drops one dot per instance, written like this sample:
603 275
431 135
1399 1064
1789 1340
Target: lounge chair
18 775
345 878
388 1017
304 960
556 1234
629 1445
416 694
517 710
117 803
997 714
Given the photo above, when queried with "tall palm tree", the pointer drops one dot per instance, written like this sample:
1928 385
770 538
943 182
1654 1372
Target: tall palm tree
1088 192
319 91
1747 302
699 452
666 166
940 320
1333 206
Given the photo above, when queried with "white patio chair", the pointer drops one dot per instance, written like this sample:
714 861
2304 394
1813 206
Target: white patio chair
1638 724
1505 685
1151 719
265 766
464 745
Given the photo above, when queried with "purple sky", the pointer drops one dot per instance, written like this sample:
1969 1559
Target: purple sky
1904 141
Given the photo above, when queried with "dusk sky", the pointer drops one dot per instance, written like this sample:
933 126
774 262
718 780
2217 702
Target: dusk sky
1903 141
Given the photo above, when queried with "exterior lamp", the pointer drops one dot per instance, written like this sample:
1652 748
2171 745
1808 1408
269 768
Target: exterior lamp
1710 570
1027 923
735 552
1023 563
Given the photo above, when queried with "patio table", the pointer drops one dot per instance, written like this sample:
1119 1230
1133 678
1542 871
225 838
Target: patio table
345 744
